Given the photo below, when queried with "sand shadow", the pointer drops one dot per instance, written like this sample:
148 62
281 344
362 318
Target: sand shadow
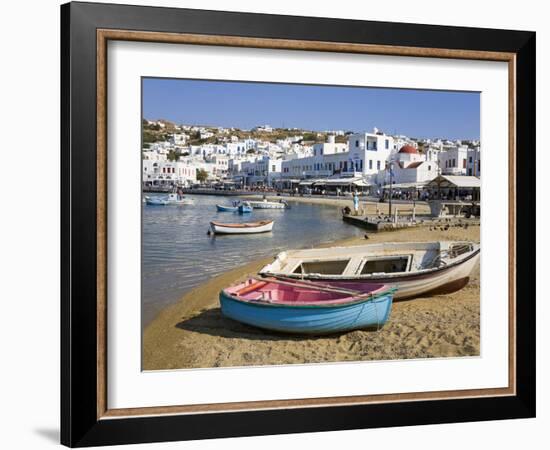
214 323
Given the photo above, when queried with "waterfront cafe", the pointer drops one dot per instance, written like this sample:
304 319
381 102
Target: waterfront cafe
333 186
454 195
330 186
412 191
288 184
455 187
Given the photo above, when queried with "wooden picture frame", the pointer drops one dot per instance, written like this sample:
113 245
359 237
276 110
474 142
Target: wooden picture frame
86 418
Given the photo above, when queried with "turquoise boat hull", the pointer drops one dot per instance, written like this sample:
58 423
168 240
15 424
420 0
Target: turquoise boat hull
222 208
316 320
156 201
245 209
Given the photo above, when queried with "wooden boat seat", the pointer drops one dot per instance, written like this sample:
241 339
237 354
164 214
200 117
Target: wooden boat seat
251 287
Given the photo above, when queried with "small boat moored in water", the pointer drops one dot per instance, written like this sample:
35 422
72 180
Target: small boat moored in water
262 226
244 208
224 208
268 205
178 199
156 201
170 199
306 308
415 268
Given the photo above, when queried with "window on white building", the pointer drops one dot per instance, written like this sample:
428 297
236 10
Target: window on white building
377 165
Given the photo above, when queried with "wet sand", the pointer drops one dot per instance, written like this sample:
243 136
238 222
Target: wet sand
194 334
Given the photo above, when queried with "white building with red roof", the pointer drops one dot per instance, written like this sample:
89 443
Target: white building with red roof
411 166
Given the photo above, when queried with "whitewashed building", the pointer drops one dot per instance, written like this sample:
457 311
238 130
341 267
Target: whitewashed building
370 151
221 165
160 173
263 171
364 154
410 167
473 165
206 134
329 148
178 139
263 128
454 160
235 148
149 155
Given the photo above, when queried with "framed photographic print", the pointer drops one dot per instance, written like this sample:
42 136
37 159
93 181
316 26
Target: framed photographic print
277 224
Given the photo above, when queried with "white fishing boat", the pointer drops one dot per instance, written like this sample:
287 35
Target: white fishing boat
155 201
241 228
170 199
415 268
264 204
175 199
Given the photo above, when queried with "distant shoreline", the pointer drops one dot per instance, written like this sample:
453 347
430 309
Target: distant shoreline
340 201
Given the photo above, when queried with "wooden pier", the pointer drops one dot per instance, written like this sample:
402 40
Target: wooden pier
376 224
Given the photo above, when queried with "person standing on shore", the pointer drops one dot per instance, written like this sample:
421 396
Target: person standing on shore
356 202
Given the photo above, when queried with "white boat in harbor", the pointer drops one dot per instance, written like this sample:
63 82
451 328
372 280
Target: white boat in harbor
170 199
175 199
415 268
155 201
264 204
241 228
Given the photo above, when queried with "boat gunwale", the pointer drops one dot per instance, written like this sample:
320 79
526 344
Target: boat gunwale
419 274
242 225
390 290
228 208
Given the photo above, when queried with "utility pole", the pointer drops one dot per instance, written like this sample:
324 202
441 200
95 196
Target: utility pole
391 185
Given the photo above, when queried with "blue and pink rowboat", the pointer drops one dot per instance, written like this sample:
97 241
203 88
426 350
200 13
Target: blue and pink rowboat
306 308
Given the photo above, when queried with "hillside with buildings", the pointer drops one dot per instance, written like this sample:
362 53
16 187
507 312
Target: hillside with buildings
293 158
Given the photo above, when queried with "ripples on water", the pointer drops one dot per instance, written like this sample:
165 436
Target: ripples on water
177 254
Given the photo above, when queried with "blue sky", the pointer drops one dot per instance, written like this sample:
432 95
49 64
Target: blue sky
415 113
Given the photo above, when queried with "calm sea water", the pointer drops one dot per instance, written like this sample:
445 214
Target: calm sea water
177 254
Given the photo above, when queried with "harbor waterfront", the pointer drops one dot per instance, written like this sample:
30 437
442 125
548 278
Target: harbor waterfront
247 227
178 255
193 333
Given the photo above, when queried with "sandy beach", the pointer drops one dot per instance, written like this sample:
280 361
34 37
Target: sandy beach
193 333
